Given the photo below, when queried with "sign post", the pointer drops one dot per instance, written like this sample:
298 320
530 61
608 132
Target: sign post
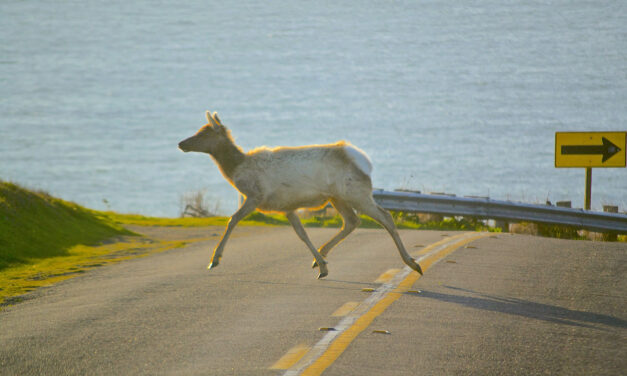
588 188
590 149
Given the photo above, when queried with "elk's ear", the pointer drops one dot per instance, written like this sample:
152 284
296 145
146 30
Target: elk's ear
210 119
216 118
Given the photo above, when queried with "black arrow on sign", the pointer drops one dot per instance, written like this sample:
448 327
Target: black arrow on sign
608 149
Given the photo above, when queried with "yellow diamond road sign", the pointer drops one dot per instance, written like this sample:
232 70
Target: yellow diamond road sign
590 149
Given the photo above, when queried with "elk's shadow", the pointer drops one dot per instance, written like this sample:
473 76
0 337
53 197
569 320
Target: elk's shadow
525 308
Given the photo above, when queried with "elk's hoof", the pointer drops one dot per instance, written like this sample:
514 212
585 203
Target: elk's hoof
416 267
213 264
323 270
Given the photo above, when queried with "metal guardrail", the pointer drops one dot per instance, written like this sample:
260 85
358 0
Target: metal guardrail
486 208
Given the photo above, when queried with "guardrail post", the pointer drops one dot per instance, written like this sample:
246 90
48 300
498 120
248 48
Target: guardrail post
610 236
564 204
503 224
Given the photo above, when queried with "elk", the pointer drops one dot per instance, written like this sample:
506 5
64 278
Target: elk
284 179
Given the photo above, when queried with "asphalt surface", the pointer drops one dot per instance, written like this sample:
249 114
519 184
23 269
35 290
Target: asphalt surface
501 304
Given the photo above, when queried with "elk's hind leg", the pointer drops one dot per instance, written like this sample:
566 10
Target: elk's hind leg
371 209
351 222
300 231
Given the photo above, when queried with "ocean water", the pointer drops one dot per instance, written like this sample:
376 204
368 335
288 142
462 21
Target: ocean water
461 97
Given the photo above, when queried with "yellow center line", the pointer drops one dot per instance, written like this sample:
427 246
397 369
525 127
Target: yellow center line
387 275
345 309
438 243
292 356
337 347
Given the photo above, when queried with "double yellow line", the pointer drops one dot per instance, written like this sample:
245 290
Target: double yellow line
329 348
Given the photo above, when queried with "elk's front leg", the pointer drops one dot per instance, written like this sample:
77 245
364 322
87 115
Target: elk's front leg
300 231
248 207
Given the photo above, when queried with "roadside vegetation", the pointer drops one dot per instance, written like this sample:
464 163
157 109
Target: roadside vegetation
563 232
45 240
35 225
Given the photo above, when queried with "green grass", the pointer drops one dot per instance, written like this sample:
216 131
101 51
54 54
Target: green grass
137 219
254 219
559 232
19 279
44 240
35 225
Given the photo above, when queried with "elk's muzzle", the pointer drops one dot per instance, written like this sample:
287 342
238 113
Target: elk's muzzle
183 145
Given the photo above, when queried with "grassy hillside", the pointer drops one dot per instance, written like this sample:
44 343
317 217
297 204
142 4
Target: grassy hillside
35 225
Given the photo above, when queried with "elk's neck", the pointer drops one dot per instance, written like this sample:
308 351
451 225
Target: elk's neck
228 156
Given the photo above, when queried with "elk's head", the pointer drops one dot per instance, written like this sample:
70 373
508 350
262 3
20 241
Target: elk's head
208 138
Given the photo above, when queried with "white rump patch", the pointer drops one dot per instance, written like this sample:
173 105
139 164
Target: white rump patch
360 158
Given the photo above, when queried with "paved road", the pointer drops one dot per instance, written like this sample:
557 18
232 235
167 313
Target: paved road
504 304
